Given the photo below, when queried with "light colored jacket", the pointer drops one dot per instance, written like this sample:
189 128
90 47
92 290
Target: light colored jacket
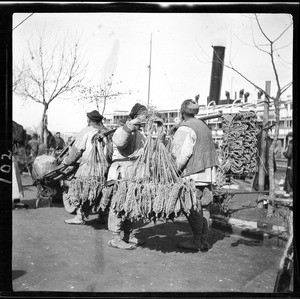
83 146
128 143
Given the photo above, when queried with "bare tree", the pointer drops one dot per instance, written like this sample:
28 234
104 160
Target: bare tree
17 77
48 74
271 49
101 94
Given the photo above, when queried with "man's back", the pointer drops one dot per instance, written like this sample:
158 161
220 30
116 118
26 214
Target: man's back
59 143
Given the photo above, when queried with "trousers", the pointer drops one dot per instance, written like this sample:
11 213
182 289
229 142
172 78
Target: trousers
116 224
198 224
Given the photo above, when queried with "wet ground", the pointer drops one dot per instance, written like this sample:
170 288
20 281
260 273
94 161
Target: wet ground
49 255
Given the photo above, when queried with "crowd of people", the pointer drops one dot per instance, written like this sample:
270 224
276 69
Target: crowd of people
191 146
32 147
25 149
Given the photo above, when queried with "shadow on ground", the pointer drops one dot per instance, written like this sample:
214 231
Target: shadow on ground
164 236
247 243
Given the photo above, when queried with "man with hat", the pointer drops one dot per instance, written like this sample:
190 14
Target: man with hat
81 150
128 141
194 151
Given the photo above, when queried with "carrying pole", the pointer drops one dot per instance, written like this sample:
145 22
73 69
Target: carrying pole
211 116
149 73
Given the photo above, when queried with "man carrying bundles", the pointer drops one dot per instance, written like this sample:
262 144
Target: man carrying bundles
93 151
129 143
193 149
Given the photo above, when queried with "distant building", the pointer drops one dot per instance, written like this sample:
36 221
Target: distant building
171 116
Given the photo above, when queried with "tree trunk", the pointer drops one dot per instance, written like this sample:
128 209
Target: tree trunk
44 125
271 158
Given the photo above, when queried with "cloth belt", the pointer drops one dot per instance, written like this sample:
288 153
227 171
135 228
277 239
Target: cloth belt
125 159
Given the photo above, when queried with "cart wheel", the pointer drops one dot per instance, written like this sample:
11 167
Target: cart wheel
70 208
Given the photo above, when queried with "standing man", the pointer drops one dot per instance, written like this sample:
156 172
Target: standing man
18 138
34 145
288 153
50 141
81 150
194 151
128 141
59 142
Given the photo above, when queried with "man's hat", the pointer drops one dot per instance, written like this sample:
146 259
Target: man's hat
95 116
136 110
190 107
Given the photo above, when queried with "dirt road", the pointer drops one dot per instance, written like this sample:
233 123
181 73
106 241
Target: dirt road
49 255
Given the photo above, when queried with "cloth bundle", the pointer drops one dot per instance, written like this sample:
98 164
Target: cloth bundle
43 164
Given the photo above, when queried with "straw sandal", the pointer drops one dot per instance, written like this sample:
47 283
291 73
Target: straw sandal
75 220
120 244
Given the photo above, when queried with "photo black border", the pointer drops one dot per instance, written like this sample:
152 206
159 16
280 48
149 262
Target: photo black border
6 14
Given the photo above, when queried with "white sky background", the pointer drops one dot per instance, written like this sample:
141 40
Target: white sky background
181 57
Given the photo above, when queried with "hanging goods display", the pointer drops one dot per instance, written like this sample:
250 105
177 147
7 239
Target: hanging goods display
155 189
239 144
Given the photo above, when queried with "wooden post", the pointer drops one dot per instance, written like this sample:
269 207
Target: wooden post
263 145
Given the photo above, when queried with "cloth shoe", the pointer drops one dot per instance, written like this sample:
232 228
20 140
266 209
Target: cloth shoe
117 242
102 219
78 219
205 246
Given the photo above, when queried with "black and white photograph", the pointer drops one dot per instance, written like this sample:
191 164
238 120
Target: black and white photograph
151 149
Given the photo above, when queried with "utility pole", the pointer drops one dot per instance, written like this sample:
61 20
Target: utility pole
149 72
263 143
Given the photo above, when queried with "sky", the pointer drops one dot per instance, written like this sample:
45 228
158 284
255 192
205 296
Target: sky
181 56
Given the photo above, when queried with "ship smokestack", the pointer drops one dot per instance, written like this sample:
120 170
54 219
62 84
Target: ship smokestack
216 74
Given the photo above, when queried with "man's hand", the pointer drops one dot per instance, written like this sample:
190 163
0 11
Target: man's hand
161 133
139 119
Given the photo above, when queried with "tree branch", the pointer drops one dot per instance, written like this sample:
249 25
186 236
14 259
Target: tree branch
285 88
280 35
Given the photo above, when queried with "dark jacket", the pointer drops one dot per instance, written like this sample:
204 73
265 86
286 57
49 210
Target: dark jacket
289 154
204 152
50 142
59 143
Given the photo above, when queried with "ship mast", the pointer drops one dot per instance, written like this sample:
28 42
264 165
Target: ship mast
149 72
